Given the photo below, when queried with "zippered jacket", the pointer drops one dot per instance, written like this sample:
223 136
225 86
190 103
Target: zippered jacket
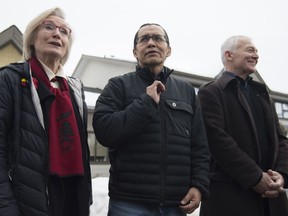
24 150
157 151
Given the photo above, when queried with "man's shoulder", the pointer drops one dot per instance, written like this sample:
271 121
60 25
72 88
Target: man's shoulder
219 82
210 85
180 81
123 76
121 79
204 85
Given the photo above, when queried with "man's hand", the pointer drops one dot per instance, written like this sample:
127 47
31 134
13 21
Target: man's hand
155 90
276 186
270 185
191 201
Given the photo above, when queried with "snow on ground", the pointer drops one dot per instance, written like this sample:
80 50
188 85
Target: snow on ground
100 197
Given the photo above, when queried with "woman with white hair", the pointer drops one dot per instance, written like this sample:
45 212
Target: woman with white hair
44 154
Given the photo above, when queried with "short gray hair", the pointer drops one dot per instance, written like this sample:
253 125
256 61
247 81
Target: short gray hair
231 45
31 30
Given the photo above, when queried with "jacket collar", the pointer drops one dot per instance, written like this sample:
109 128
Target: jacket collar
146 74
228 78
225 79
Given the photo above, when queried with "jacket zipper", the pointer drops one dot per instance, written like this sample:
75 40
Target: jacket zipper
163 149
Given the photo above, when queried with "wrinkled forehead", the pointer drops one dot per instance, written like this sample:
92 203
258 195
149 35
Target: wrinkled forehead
245 43
151 29
57 20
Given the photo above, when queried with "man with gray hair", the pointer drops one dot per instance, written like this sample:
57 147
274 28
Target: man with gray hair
249 150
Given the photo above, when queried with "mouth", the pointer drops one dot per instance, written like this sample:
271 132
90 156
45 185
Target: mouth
252 62
55 44
152 52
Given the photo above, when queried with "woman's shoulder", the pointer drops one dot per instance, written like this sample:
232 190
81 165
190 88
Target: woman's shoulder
15 70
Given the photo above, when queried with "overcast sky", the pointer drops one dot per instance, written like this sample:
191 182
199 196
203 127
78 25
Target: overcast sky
197 29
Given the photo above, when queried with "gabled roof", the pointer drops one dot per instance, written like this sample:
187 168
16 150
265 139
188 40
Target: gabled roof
96 71
12 35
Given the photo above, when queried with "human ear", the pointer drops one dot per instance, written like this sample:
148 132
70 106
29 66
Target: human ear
134 53
169 52
228 55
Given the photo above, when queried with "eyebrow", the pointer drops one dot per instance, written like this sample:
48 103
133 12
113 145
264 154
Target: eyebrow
60 24
252 47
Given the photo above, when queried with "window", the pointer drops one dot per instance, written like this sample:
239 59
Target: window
98 153
282 110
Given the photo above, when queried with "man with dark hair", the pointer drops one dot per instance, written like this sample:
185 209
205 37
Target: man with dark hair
152 124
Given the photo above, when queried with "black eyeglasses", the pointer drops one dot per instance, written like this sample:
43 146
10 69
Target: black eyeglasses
50 26
155 38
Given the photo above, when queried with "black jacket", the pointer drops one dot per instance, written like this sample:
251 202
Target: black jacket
24 144
157 152
235 145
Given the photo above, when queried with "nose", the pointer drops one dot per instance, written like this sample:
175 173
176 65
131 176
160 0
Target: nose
256 55
151 42
57 32
57 29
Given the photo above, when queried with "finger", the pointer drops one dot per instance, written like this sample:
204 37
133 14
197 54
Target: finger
189 207
270 172
276 187
185 201
160 88
271 194
281 190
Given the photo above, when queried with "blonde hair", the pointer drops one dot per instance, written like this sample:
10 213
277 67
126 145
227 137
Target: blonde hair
31 30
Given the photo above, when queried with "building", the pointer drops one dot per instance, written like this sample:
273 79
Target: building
95 73
11 44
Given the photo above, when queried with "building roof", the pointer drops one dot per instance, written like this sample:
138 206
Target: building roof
95 71
103 68
12 35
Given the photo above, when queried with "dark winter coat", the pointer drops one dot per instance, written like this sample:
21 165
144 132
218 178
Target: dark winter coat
157 152
24 144
234 146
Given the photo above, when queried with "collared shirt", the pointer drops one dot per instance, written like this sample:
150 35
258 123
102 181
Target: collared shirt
52 76
243 82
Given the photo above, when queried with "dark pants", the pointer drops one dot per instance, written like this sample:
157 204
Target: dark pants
65 198
126 208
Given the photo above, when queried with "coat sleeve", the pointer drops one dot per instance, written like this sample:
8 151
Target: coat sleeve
113 120
200 157
8 203
281 156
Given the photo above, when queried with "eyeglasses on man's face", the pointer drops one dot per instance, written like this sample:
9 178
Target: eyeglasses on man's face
156 38
50 27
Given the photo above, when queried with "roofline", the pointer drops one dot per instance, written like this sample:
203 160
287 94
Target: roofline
196 80
14 35
84 58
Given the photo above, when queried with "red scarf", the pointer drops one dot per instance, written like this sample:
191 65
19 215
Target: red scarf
65 152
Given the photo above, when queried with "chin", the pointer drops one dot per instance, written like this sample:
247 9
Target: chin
152 61
252 70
